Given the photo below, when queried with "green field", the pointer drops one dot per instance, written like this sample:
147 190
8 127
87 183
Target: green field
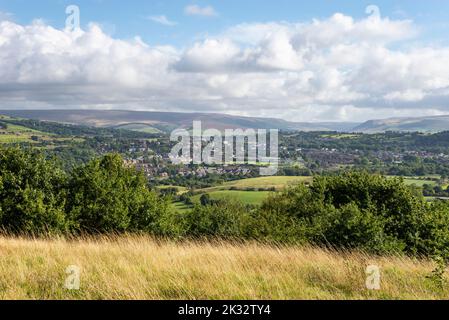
138 127
275 182
341 136
20 134
181 190
419 181
246 197
21 129
180 207
13 138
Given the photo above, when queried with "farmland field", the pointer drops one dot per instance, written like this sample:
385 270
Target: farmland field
139 128
19 134
418 181
181 190
276 182
13 138
246 197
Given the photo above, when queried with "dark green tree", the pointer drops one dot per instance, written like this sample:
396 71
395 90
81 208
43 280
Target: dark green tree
107 196
32 193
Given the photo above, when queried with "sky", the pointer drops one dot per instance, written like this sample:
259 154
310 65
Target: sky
323 60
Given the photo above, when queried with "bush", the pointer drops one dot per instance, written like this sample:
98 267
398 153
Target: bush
169 191
205 199
106 196
227 218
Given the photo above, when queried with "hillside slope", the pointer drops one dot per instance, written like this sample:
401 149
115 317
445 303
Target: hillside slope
167 121
421 124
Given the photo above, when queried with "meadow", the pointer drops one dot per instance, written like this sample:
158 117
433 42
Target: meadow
419 181
246 197
139 267
276 182
20 134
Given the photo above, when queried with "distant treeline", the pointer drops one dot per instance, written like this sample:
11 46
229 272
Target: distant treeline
353 210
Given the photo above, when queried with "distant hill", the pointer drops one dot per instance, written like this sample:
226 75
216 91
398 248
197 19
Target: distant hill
151 122
421 124
168 121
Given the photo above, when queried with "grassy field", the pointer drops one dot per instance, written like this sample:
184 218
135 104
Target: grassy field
139 127
141 268
180 207
247 197
276 182
13 138
419 181
181 190
19 134
341 136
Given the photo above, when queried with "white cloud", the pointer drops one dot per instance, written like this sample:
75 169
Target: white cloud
331 69
195 10
163 20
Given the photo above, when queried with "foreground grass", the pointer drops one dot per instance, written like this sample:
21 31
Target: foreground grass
142 268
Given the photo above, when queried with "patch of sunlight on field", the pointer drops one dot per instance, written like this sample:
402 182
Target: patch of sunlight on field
13 138
141 268
181 190
246 197
417 181
180 207
276 182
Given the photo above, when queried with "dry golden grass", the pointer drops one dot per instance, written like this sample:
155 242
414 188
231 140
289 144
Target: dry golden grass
137 267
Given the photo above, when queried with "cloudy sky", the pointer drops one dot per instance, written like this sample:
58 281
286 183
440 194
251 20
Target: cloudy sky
297 60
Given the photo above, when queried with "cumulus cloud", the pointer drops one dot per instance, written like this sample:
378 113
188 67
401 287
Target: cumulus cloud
195 10
163 20
331 69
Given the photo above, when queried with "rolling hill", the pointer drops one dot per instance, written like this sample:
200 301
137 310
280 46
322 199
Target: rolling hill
421 124
168 121
152 122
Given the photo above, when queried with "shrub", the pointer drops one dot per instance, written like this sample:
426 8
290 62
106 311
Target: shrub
226 218
106 196
205 199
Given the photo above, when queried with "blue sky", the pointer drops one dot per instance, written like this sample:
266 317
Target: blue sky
322 60
126 19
